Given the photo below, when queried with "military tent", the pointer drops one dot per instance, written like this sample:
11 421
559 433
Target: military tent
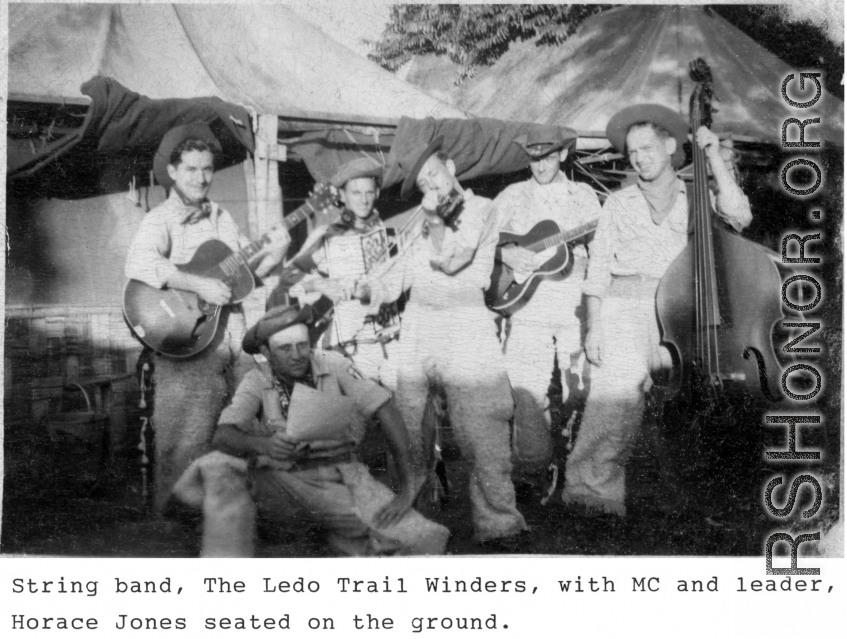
92 89
629 55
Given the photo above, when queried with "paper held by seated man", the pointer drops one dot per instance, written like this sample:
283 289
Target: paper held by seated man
316 416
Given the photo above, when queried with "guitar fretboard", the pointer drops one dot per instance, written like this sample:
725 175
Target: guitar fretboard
231 264
563 237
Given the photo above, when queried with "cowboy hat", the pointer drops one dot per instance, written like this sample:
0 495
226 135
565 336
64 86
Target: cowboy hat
661 116
358 168
272 322
542 141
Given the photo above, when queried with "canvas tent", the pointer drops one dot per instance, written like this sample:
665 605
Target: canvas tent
630 55
92 88
122 75
263 57
78 172
256 59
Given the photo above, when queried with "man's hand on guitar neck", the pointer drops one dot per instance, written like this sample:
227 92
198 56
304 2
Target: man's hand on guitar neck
209 289
520 259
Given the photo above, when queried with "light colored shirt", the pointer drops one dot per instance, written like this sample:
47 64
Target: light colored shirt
347 258
333 373
165 239
629 242
433 287
523 205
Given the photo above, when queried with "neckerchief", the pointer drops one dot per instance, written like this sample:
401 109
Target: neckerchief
285 387
196 210
660 195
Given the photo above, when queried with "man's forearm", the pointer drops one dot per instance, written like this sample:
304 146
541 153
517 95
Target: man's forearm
732 203
456 261
184 281
593 306
229 439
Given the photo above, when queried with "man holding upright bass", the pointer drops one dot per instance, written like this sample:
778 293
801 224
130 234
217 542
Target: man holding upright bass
642 230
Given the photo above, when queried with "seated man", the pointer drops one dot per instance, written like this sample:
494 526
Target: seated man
294 481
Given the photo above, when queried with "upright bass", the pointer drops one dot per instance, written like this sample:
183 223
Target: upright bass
719 300
717 304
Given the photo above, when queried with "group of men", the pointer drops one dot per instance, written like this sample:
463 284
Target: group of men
495 384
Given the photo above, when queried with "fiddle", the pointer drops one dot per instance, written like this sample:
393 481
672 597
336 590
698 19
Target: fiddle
449 208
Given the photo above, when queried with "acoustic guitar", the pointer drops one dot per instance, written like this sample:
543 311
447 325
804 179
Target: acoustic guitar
511 290
180 324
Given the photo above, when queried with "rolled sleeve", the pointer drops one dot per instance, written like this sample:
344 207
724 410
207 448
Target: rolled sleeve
734 208
602 251
146 259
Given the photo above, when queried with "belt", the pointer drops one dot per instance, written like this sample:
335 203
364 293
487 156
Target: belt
635 277
309 464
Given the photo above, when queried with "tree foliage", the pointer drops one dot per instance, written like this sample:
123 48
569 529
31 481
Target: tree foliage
475 36
803 45
472 36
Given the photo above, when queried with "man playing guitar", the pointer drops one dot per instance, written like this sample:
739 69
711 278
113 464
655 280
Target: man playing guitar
190 392
550 321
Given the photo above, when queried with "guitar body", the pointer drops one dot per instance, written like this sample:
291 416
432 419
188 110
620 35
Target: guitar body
507 293
178 323
208 261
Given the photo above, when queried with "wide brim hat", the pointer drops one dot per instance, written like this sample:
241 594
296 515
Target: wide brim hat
172 139
413 162
358 168
661 116
542 141
272 322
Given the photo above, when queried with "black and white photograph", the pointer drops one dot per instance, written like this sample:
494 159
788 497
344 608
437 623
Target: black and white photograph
319 280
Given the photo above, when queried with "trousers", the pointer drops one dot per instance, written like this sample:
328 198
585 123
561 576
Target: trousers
375 361
549 325
340 498
189 397
594 474
457 350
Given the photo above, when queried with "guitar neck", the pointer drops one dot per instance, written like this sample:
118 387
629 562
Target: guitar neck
564 237
246 254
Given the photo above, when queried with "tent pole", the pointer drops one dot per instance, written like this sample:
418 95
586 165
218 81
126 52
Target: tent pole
268 127
250 183
268 191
